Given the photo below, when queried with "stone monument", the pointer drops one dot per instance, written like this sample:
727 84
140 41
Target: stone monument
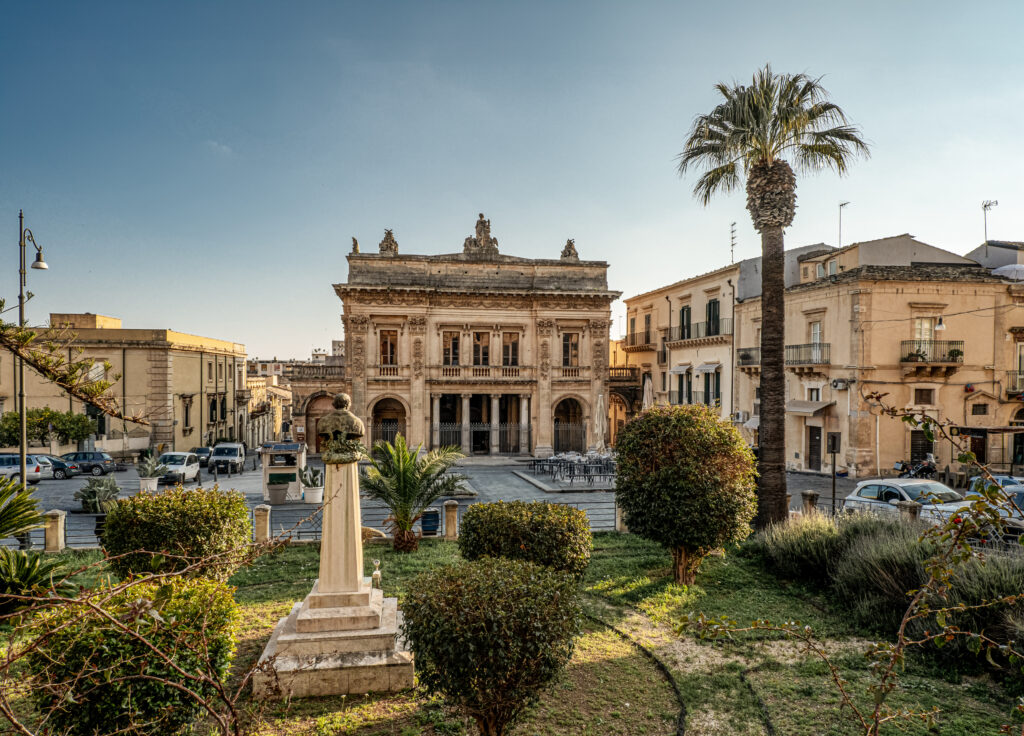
344 637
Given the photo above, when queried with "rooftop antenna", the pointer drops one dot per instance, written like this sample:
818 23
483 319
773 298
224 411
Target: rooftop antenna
732 243
985 207
841 205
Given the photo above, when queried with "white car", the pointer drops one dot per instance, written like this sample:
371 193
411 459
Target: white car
937 501
182 467
45 466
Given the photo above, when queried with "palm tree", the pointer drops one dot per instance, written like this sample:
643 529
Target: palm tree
407 484
763 132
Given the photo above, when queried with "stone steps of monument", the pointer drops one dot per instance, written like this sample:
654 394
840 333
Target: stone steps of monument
380 638
341 618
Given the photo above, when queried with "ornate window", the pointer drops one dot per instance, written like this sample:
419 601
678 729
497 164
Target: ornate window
481 348
389 347
450 348
510 348
571 347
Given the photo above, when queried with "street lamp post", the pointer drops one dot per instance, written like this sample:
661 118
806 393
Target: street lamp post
24 237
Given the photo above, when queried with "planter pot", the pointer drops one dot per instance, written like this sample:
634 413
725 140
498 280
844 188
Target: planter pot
313 495
148 485
277 494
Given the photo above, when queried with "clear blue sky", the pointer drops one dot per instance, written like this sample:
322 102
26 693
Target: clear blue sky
202 166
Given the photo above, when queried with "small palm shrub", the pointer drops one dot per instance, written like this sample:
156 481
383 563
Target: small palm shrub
875 573
27 574
490 635
99 495
686 481
90 676
177 528
407 484
548 534
19 510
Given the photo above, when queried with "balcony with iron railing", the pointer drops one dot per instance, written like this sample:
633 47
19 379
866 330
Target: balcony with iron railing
635 341
748 360
808 358
713 331
931 357
1015 384
624 374
708 398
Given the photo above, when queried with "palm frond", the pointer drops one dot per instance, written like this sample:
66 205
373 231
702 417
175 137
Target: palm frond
19 511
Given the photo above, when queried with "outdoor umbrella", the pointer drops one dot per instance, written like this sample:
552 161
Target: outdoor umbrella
1014 271
599 422
648 394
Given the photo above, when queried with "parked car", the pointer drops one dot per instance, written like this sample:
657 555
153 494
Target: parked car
228 457
203 453
181 467
937 501
1005 481
10 467
62 469
45 466
1012 508
96 463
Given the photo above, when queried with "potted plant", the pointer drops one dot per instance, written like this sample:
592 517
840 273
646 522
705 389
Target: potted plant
150 471
277 488
312 484
98 496
955 355
916 356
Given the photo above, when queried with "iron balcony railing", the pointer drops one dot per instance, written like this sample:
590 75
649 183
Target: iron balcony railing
681 397
709 398
699 330
629 373
748 356
636 339
932 351
1015 382
814 353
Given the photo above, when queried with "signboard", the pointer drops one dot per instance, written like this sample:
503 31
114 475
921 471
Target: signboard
832 441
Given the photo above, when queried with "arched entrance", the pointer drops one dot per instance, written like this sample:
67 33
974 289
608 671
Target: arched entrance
388 420
570 427
316 408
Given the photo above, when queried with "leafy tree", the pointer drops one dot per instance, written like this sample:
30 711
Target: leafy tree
762 132
44 424
686 481
72 427
408 484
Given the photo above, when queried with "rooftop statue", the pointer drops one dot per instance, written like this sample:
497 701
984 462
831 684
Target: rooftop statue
483 244
569 251
389 246
340 432
355 245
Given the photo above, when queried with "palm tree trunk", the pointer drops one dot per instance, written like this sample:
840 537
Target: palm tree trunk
771 466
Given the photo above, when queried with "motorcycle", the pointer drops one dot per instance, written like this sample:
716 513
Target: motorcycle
923 469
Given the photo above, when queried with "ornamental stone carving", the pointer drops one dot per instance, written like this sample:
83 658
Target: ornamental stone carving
569 251
482 244
545 359
389 246
417 357
358 322
545 326
417 325
358 357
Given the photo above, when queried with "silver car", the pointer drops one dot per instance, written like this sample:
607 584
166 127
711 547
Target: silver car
937 501
10 467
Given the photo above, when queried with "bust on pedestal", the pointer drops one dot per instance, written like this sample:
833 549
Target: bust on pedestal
343 638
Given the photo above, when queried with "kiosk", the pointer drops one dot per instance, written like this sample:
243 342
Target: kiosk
282 462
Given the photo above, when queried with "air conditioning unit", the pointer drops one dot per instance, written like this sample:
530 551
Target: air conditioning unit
840 384
740 416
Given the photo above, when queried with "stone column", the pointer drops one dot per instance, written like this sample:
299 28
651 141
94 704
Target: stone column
53 533
451 519
261 523
909 510
341 545
810 501
524 424
495 409
466 438
435 420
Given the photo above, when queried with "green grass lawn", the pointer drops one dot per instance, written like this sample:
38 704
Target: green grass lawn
752 685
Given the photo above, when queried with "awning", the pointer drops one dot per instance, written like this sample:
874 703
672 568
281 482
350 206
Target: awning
708 367
807 408
681 368
752 423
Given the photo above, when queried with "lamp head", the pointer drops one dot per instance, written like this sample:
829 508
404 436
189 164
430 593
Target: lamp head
940 326
39 263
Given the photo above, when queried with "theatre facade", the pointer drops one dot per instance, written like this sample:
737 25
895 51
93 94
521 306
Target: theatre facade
488 352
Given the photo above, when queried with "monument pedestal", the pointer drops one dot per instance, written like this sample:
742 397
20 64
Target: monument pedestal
344 637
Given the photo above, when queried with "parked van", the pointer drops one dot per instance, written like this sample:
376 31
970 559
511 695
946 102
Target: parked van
228 457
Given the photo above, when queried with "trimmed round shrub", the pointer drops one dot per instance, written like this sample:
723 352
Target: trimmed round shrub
548 534
489 635
175 528
91 677
686 481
